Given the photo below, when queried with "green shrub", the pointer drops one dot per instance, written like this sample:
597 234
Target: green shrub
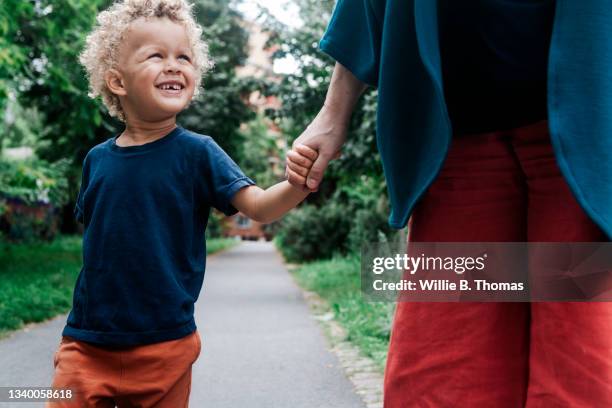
34 180
355 215
272 229
31 193
311 232
214 228
29 223
368 226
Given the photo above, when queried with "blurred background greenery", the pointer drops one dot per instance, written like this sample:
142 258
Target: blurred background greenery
48 124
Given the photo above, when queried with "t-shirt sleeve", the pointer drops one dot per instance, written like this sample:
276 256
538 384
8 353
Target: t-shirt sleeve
221 178
353 37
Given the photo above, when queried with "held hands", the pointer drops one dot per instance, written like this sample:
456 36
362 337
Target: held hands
327 132
299 164
314 149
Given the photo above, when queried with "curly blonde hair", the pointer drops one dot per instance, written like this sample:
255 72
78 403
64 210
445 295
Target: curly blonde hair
102 44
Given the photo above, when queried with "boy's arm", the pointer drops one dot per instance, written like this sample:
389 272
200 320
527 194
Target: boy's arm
271 204
268 205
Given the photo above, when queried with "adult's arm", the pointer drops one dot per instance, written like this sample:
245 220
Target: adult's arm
327 132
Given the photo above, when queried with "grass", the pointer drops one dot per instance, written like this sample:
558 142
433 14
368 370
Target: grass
37 280
219 244
368 324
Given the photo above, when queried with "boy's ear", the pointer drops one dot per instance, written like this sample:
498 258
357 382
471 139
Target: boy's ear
114 82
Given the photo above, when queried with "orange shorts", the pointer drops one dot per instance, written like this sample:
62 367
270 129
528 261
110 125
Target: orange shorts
154 375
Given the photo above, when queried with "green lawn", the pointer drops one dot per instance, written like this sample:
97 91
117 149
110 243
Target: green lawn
338 282
219 244
37 280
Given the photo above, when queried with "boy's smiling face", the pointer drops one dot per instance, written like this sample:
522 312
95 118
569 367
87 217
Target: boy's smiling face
155 78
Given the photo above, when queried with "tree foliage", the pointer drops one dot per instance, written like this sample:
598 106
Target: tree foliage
49 35
13 57
302 94
43 94
39 48
222 107
355 182
260 155
46 88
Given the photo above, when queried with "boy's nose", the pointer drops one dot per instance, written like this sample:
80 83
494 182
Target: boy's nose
172 66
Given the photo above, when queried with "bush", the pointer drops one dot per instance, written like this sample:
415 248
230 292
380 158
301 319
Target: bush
33 180
368 226
214 228
311 232
272 229
31 193
27 223
356 214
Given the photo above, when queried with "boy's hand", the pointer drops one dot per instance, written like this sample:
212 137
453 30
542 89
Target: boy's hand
299 162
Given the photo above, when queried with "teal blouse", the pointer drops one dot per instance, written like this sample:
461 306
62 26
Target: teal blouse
393 45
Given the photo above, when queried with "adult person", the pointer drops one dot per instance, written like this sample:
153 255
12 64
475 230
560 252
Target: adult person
494 124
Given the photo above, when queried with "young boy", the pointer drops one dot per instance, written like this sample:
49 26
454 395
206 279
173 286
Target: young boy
130 339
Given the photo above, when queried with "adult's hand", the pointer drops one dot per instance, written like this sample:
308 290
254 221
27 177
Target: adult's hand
327 132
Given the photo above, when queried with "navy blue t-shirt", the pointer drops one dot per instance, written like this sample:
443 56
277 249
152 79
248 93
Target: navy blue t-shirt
145 210
495 62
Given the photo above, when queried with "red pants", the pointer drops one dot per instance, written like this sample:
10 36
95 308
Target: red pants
501 187
151 376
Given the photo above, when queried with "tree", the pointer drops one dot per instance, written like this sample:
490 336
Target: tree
39 46
50 34
39 49
260 155
222 107
302 94
353 188
13 57
42 82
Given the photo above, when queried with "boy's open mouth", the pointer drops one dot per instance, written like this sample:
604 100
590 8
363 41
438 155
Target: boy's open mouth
170 87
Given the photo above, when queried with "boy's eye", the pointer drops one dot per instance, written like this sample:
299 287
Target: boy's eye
185 57
156 55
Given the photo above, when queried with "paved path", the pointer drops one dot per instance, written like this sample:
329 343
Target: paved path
260 348
26 358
